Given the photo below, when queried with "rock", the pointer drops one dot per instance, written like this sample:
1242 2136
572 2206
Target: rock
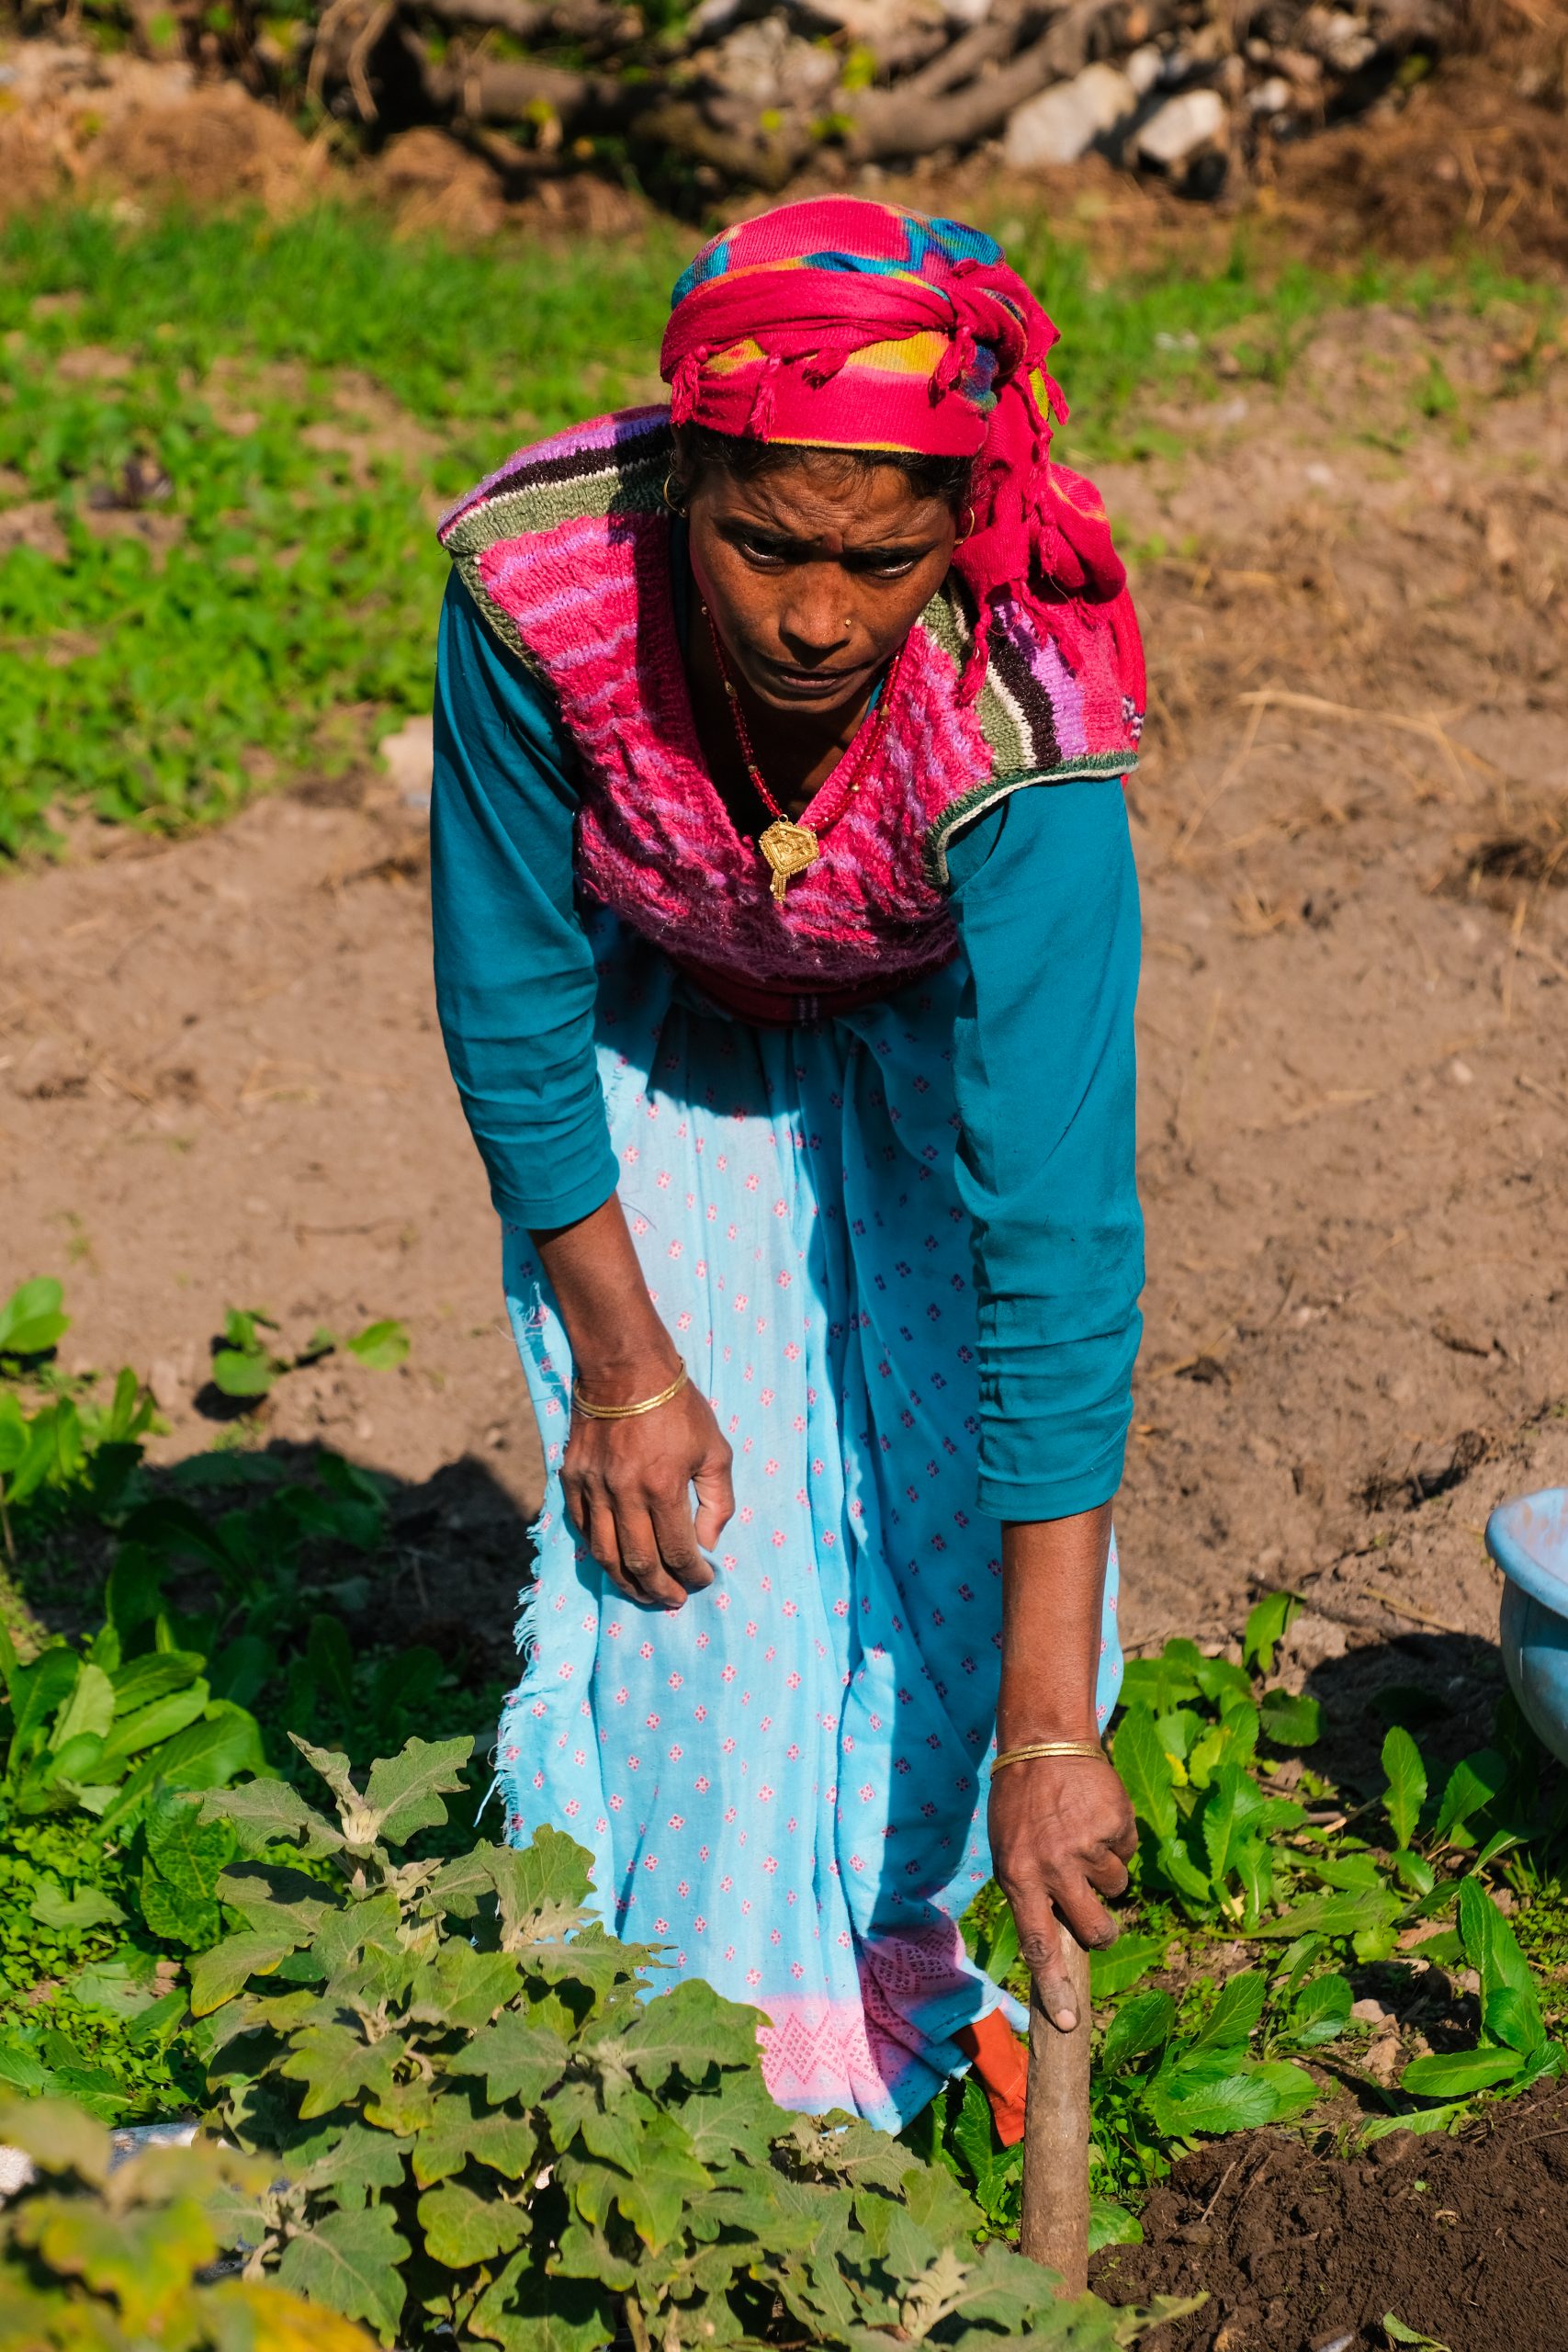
410 756
767 65
1272 96
1384 2058
1063 123
1178 128
1144 67
1370 2011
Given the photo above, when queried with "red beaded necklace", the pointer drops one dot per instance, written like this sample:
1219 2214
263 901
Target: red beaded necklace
790 847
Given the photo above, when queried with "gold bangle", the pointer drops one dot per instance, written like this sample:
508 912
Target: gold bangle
1048 1748
580 1403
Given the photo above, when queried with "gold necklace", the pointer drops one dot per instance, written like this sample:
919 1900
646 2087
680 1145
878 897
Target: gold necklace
790 845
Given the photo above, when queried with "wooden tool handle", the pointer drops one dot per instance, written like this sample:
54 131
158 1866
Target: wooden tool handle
1055 2228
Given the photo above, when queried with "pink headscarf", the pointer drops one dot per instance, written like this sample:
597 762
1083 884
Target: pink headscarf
840 323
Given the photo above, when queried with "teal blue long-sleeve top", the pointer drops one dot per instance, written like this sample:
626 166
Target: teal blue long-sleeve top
1045 901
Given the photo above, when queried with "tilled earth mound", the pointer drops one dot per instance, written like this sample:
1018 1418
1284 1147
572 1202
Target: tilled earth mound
1465 2242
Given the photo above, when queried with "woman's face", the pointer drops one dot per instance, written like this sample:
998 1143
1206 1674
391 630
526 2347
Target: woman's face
815 575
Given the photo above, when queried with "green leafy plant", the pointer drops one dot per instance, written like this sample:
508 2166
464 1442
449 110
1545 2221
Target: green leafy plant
489 2123
1513 2049
31 1323
247 1367
94 2262
100 1729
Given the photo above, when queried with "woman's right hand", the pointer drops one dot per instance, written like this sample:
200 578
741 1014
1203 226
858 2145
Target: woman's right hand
628 1487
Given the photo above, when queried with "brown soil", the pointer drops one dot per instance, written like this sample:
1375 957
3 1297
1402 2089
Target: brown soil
1466 2241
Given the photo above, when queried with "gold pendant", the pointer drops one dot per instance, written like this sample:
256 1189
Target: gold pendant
789 850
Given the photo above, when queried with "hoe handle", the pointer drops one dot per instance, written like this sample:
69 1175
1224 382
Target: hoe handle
1055 2228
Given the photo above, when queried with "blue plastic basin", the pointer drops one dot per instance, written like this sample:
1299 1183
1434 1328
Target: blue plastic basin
1528 1539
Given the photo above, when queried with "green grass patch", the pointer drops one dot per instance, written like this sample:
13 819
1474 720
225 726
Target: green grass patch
216 569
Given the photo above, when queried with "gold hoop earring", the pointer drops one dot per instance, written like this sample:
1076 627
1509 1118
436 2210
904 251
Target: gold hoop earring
676 506
969 532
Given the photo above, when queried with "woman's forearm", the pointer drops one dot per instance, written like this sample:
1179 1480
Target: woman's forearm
621 1350
1053 1592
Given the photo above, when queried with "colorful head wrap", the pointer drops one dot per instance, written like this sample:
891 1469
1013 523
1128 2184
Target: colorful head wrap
840 323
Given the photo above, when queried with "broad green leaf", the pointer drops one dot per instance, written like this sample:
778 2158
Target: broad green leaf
1397 2331
1509 2017
1129 1958
1414 1871
1490 1945
110 1985
338 2066
517 2058
1222 1681
349 2261
1472 1786
1335 1915
30 1319
147 1726
460 1886
13 1433
266 1813
654 2200
1112 2224
1265 1628
1235 2103
1406 1792
142 1679
526 2312
1146 1773
504 2144
1291 1721
241 1372
1322 2011
1184 1875
1232 1801
1459 2073
73 1914
217 1976
225 1741
692 2028
1158 1684
1140 2025
546 1881
1178 1730
1234 2018
358 2160
38 1690
404 1791
1292 2086
382 1345
190 1853
462 2227
461 1988
89 1710
176 1915
261 1890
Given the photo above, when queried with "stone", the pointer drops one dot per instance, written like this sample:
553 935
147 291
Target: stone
1144 67
1063 123
1184 124
1272 96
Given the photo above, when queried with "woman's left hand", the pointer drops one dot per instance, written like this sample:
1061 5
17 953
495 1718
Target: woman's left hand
1062 1835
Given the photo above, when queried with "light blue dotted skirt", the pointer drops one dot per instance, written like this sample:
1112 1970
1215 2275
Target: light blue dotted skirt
784 1782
